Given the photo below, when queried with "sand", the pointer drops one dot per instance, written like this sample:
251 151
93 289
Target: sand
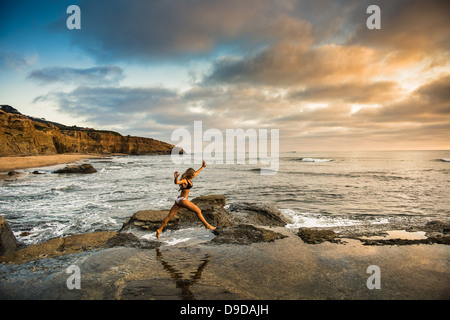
8 164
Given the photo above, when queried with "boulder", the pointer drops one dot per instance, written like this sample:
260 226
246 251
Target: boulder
315 236
401 242
71 244
83 168
218 200
437 226
212 207
8 242
264 214
150 220
244 235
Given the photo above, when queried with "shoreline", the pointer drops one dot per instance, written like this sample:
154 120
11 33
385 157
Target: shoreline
10 163
284 269
240 260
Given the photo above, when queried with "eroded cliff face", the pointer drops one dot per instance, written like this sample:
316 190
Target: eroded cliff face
23 135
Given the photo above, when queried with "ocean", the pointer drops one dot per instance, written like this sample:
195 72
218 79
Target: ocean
315 189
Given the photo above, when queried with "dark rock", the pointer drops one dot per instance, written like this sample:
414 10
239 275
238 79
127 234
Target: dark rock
314 236
59 246
441 240
84 168
244 235
150 220
36 172
210 205
437 226
258 214
212 210
210 200
74 244
8 242
12 173
401 242
215 216
125 239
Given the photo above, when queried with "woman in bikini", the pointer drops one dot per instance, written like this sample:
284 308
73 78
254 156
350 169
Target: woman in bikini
182 200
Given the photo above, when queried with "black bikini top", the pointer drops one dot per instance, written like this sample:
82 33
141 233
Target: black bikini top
189 185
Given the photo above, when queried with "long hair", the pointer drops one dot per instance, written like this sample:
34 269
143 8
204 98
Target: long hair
188 174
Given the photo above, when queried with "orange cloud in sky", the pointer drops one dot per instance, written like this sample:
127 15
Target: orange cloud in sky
309 68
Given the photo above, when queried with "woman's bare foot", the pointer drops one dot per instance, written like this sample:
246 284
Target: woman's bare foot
158 233
210 227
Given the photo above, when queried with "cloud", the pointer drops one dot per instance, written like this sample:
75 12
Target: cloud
437 91
414 25
423 115
162 30
145 111
429 103
413 33
362 93
309 68
88 76
290 64
120 101
13 61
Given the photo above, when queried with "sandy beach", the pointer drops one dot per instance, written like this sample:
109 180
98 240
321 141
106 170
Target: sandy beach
23 162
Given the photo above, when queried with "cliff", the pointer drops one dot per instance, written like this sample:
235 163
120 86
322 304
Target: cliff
24 135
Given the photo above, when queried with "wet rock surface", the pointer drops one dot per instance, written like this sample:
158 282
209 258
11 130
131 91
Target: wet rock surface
241 261
85 168
212 207
150 220
8 242
229 231
244 235
264 214
435 232
74 244
315 236
402 242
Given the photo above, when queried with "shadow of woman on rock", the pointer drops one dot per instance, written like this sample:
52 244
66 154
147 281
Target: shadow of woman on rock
183 284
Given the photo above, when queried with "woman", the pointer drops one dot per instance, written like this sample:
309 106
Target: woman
182 200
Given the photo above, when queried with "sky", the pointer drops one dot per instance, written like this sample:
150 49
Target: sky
311 69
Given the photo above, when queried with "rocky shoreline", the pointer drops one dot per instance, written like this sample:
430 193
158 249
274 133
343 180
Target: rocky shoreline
240 223
230 229
240 227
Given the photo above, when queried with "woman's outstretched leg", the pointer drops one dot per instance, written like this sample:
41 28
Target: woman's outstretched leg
192 207
173 211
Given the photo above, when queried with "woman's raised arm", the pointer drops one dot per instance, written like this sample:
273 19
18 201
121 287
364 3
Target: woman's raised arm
198 171
175 180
